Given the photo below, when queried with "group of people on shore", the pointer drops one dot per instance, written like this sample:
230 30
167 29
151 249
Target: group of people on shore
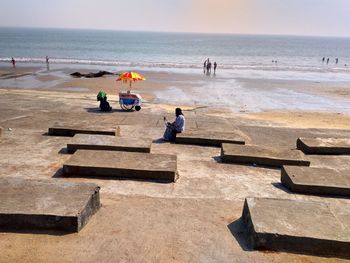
327 60
207 67
13 61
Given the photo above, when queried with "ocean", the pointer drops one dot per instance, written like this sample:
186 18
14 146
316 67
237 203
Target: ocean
246 76
176 51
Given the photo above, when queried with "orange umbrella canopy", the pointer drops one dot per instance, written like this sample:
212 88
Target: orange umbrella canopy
131 76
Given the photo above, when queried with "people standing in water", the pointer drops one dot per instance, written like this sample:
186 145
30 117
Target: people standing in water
336 61
215 66
13 61
205 66
323 59
209 68
327 61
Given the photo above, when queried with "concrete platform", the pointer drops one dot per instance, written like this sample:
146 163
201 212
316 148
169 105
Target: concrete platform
261 155
208 138
110 143
319 181
324 145
134 165
46 204
297 226
71 131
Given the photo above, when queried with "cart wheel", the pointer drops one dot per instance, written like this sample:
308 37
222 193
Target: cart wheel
137 108
126 107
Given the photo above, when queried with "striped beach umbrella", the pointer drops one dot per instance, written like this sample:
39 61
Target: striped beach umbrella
130 76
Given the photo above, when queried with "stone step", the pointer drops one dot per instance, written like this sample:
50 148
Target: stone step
71 131
319 181
331 146
131 165
261 155
297 226
209 138
110 143
46 204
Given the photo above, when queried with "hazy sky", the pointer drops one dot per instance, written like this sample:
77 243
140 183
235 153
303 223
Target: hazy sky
292 17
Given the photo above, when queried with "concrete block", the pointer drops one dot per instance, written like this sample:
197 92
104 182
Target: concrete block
262 155
208 138
71 131
297 226
110 143
46 204
329 146
130 165
319 181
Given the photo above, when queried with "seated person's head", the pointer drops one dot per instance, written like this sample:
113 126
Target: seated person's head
178 112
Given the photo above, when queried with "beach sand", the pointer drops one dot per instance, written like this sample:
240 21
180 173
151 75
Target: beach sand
197 219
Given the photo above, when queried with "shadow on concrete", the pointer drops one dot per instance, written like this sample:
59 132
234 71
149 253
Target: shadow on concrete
60 174
64 150
98 111
50 232
160 141
217 159
286 190
280 186
237 229
253 165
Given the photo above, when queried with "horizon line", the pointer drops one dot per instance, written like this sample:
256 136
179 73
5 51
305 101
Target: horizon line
175 32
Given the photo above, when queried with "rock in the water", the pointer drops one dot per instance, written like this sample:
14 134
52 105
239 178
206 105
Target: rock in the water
91 74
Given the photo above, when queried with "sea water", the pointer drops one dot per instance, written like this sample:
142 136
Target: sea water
177 51
239 57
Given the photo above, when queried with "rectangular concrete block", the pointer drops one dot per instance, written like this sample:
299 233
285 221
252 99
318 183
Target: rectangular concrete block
331 146
297 226
46 204
319 181
261 155
208 138
129 165
109 143
71 131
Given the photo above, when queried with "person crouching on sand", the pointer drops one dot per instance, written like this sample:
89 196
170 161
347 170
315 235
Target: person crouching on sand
174 128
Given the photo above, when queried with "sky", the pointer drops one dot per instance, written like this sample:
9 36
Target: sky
281 17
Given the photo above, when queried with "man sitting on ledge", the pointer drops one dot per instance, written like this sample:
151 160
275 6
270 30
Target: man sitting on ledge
177 126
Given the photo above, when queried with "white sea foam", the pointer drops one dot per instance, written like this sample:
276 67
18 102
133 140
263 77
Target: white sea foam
237 97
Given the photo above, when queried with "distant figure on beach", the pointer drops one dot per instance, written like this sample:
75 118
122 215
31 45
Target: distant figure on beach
336 61
208 68
174 128
13 62
323 59
215 66
204 66
327 61
47 62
